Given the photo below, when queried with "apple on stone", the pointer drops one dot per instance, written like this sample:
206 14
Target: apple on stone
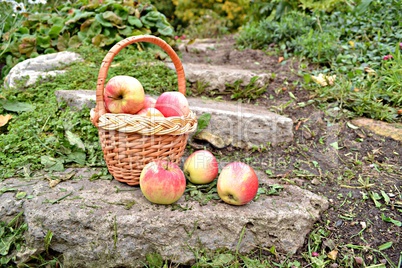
123 94
237 183
201 167
172 103
162 182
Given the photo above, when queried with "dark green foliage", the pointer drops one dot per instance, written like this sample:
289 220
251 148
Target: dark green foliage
77 24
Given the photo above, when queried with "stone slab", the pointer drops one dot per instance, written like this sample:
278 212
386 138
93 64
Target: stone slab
41 66
110 224
391 130
238 124
216 77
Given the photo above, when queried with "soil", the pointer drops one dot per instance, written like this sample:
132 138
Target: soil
358 171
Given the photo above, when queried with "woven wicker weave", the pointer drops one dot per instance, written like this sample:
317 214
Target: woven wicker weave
128 141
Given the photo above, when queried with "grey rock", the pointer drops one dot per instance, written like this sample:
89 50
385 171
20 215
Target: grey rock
110 224
215 77
238 124
40 67
77 98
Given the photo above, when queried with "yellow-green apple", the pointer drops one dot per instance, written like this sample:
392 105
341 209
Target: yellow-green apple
150 112
172 103
201 167
162 182
149 102
123 94
237 183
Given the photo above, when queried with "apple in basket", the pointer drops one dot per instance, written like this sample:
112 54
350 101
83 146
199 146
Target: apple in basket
123 94
201 167
162 182
150 112
149 102
237 184
172 103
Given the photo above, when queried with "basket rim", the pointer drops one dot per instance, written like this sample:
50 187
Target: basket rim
148 126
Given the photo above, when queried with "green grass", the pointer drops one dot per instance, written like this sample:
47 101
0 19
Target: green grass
348 44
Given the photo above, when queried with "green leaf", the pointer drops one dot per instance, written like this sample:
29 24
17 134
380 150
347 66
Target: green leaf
99 18
77 157
390 220
55 31
74 42
79 15
375 197
386 197
50 163
133 20
385 246
95 29
74 139
203 122
43 41
222 259
112 17
15 106
127 31
335 145
20 195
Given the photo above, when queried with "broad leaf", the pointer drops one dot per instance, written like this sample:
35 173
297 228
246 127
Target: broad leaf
74 139
15 106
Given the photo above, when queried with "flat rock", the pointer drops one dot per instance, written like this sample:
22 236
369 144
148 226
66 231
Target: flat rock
41 66
109 224
238 124
216 77
385 129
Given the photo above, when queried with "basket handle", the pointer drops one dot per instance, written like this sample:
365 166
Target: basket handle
100 106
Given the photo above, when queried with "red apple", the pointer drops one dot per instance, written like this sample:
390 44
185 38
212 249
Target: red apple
150 112
162 182
123 94
237 184
201 167
149 102
172 104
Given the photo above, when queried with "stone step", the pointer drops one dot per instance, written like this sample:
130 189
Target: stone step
237 124
216 77
106 223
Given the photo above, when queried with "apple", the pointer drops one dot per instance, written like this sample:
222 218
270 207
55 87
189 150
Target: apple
162 182
172 103
123 94
150 112
201 167
237 184
149 102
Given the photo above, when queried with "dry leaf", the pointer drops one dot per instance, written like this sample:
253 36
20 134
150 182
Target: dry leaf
324 80
333 254
280 59
370 71
4 119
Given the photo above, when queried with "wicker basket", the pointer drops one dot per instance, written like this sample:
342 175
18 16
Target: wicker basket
128 141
